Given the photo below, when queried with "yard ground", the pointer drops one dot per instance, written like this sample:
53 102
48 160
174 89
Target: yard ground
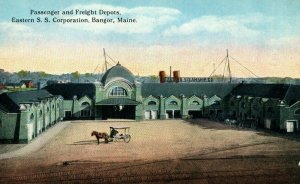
163 151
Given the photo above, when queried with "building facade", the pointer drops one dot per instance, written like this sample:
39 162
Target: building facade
273 106
121 96
25 115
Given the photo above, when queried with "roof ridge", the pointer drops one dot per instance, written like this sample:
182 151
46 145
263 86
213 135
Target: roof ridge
287 91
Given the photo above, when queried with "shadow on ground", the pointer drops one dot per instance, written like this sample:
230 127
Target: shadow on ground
213 125
103 121
289 136
209 124
87 142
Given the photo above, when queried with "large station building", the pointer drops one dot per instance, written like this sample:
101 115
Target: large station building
24 115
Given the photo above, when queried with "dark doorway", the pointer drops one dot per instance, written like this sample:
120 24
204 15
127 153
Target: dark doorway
118 112
173 114
170 114
195 114
177 114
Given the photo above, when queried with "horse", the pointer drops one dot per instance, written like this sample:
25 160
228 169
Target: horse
100 135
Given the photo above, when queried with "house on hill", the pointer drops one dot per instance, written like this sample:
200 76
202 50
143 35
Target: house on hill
27 83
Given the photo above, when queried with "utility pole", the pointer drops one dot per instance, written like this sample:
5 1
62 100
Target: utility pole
105 59
170 73
228 65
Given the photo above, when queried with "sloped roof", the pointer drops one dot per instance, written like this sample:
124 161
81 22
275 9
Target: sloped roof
262 90
69 90
293 94
186 89
29 96
117 71
3 108
10 101
118 101
25 81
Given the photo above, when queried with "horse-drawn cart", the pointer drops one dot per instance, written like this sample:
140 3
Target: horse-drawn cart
119 134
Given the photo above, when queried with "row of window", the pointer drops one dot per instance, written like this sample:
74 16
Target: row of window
83 113
174 103
119 91
40 113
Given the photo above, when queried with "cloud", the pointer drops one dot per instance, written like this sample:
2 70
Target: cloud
285 42
233 25
148 19
15 30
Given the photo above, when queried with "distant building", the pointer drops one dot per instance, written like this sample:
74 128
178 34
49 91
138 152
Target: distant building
2 86
49 82
13 85
27 83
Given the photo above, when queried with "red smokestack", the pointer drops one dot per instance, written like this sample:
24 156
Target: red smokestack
176 76
162 76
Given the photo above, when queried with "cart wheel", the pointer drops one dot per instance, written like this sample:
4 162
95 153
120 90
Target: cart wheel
127 138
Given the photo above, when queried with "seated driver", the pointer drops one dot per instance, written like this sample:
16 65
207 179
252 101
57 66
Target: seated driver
113 133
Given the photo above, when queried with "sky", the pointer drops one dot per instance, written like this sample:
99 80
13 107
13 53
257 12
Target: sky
191 36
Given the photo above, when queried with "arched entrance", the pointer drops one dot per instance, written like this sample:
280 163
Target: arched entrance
116 108
118 112
85 110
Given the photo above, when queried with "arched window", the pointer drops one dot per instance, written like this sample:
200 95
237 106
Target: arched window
195 102
118 91
31 116
173 103
151 103
85 109
297 112
216 102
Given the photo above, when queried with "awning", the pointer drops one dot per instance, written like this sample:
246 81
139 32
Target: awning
118 101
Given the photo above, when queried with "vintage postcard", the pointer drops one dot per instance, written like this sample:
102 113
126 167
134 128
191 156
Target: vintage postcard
157 91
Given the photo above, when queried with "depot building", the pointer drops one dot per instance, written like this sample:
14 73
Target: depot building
119 95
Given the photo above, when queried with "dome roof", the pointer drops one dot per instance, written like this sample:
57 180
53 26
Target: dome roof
117 71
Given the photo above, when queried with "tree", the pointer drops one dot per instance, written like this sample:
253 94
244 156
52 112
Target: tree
87 74
76 75
154 77
42 74
217 77
23 73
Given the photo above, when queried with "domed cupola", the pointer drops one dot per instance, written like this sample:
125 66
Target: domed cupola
116 72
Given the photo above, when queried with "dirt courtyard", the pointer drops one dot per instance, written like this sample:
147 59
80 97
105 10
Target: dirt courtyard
173 151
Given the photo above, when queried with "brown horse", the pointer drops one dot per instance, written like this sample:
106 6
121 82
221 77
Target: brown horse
100 135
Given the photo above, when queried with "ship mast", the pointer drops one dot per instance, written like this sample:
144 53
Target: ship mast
105 61
228 67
